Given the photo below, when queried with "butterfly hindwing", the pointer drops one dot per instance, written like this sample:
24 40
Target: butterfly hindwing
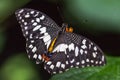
72 50
38 29
69 50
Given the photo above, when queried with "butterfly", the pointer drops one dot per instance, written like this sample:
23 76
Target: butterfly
58 48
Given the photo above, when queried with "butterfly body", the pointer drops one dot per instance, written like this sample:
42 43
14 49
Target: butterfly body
57 47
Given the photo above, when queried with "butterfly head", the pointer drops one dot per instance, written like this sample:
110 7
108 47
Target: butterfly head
65 28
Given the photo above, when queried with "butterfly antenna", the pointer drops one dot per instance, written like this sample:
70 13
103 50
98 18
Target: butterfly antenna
59 8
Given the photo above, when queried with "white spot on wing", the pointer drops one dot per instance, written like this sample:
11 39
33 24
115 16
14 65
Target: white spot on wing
37 19
48 43
52 66
40 57
76 51
26 32
96 62
60 71
35 56
61 48
56 49
71 47
21 10
34 49
42 17
43 30
81 51
58 64
32 12
31 46
36 28
66 62
85 51
82 62
92 61
87 60
22 20
46 38
88 65
26 28
77 63
66 69
37 62
25 23
54 72
49 63
102 58
100 62
71 66
83 66
94 55
32 21
36 14
34 24
27 16
84 41
31 36
32 41
46 34
89 46
18 15
95 48
72 60
83 46
63 66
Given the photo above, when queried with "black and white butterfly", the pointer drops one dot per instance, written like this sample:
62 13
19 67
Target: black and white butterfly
58 49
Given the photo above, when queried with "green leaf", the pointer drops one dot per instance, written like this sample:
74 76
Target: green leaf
18 68
111 71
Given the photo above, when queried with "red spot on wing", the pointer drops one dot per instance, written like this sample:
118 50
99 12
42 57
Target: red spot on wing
45 58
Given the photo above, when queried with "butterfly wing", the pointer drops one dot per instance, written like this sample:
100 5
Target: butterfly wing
72 50
38 29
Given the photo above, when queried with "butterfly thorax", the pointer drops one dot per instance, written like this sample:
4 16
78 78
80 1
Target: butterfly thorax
65 28
49 53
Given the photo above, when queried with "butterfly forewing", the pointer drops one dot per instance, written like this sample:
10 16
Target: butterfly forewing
38 29
72 50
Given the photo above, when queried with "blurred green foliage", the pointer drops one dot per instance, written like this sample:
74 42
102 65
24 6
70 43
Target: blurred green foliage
7 7
95 14
18 67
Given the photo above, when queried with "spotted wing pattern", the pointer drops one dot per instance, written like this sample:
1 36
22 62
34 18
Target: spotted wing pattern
72 50
38 29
